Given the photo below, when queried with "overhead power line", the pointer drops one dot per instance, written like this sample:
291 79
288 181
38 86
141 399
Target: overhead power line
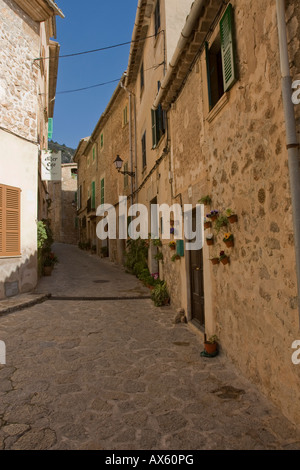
101 84
63 56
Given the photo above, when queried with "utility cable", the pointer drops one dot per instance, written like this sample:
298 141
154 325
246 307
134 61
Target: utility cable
63 56
101 84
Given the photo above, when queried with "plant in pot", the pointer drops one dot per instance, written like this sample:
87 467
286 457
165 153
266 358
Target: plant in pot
206 200
156 242
207 223
228 240
215 260
224 258
104 251
49 261
213 215
172 245
175 257
160 295
222 221
159 256
232 217
210 239
211 344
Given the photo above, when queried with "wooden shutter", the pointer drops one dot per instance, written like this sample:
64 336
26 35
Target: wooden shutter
1 221
93 198
102 191
9 221
208 75
154 134
227 48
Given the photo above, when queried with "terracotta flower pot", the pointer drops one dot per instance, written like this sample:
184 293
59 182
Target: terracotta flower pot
225 260
48 270
215 260
233 218
229 243
210 241
210 348
173 247
207 225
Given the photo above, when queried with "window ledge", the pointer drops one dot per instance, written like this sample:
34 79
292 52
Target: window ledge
218 107
10 256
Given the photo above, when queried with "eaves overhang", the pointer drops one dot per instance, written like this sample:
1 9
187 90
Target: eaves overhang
40 10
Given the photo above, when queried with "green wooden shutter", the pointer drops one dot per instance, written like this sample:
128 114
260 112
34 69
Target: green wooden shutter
50 128
93 197
227 48
208 75
102 191
154 134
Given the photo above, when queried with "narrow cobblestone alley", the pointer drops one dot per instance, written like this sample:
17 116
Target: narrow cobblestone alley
119 374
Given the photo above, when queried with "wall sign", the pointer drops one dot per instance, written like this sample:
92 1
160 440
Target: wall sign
51 166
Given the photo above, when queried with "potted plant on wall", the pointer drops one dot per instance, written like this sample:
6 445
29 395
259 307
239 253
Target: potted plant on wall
222 221
206 200
232 217
215 260
207 223
210 239
172 245
213 215
224 258
228 240
48 263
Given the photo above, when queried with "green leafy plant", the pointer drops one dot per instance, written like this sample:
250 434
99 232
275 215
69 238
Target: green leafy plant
136 252
212 339
159 256
160 295
104 251
221 221
175 257
41 234
156 242
206 200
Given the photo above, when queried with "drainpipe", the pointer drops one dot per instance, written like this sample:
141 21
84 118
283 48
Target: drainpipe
291 133
185 34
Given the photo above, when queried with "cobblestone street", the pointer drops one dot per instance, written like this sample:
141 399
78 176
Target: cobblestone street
119 374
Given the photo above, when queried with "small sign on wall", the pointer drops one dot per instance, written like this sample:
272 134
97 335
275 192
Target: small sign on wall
51 166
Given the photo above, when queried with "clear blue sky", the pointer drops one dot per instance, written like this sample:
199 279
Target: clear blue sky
87 25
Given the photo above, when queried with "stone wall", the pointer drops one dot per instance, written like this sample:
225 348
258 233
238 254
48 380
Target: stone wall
62 212
239 158
19 37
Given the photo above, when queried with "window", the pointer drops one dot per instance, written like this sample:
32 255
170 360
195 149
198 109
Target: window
125 116
102 191
101 140
144 160
220 63
142 77
10 224
157 17
74 173
125 175
93 196
94 153
158 123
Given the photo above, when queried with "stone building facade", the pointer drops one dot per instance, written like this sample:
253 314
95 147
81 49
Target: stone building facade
98 180
231 145
207 119
62 205
27 89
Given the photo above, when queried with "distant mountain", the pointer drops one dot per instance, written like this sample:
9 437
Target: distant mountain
67 153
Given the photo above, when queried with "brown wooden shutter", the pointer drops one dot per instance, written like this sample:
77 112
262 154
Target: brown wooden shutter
9 221
1 221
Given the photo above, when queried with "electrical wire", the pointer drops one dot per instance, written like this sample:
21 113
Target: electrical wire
101 84
63 56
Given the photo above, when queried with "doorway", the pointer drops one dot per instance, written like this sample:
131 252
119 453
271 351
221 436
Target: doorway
197 285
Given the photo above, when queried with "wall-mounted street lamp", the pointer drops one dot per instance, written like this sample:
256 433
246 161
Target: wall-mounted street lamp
119 163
